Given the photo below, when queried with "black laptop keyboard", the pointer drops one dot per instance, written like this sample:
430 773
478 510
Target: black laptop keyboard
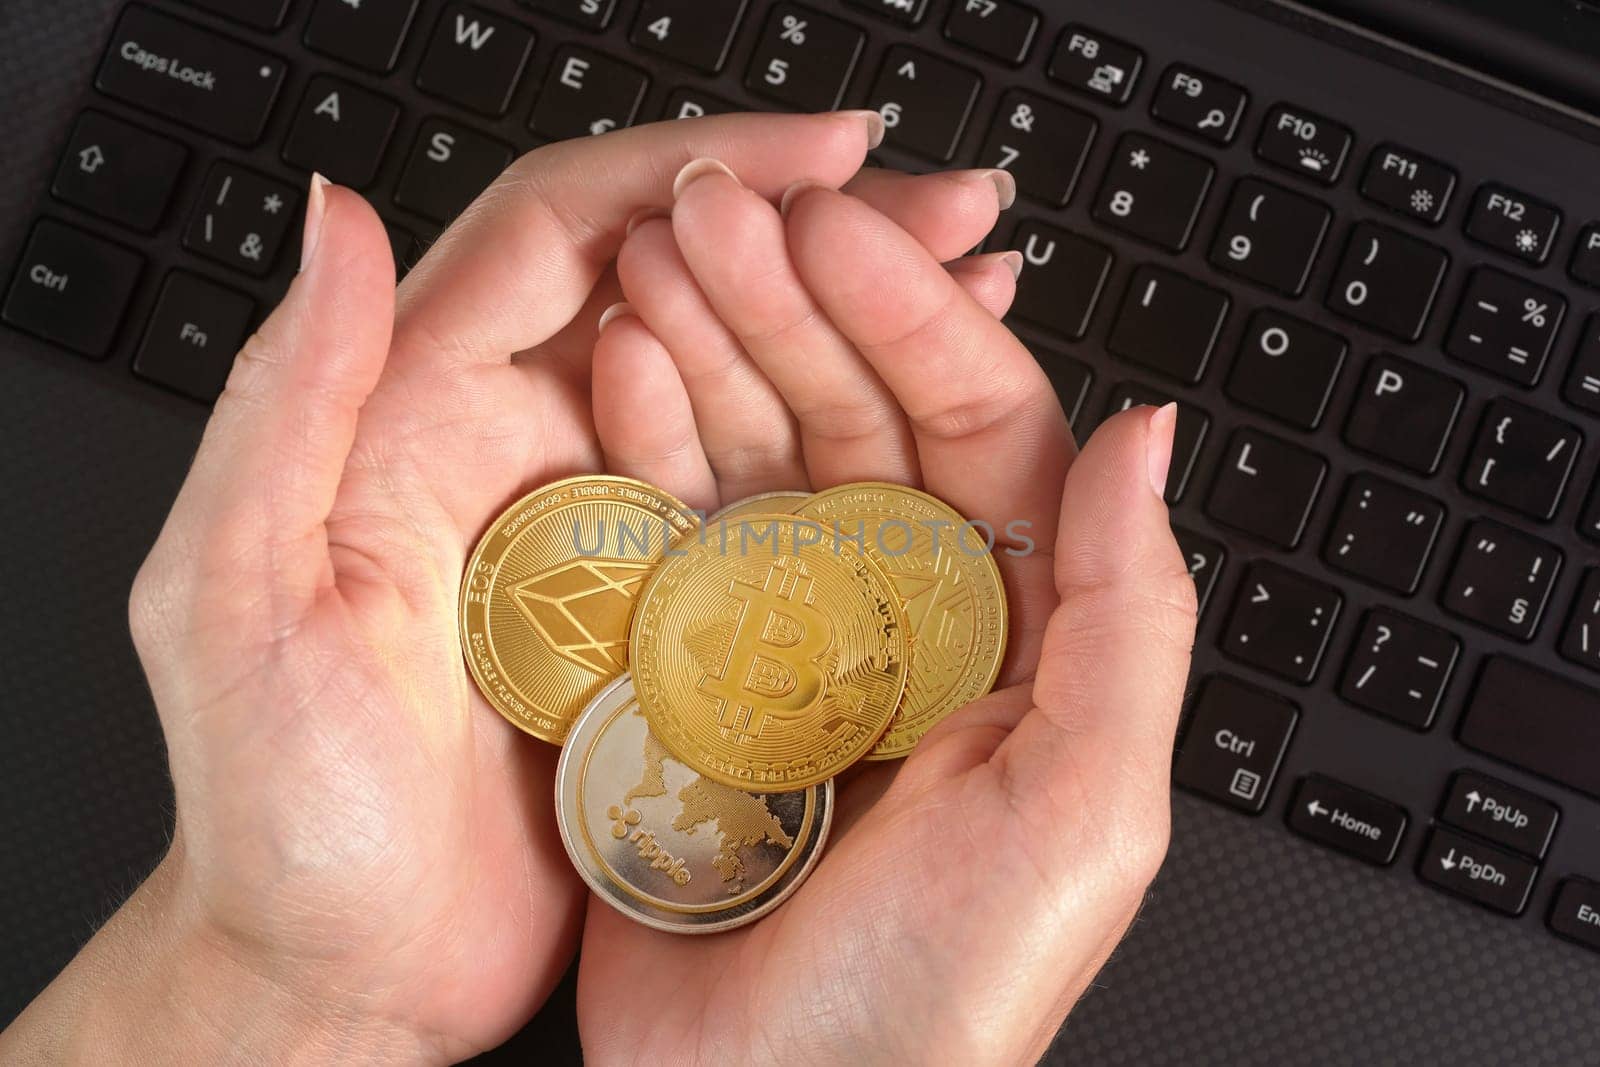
1406 539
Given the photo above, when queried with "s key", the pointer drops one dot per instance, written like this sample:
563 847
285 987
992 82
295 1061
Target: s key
1387 280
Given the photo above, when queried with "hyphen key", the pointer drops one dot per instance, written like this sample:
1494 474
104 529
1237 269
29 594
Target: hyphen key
190 75
1536 720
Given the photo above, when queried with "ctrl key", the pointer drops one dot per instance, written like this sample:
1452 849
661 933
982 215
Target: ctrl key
71 288
1236 739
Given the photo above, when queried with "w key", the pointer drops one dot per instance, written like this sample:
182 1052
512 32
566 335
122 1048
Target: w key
1387 280
1270 236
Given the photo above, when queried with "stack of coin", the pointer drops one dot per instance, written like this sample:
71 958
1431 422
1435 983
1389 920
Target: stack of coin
708 678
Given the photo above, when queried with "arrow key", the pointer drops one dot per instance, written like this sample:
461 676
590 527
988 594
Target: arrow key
1347 819
1480 873
118 170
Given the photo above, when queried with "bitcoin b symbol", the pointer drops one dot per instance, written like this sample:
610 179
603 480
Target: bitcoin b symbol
770 667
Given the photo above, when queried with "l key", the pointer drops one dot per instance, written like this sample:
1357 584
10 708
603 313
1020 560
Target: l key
1387 280
1266 487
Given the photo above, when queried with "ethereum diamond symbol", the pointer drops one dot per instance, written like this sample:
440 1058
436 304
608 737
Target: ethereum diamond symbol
582 609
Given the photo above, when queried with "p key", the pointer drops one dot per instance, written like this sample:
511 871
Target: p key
1387 280
1404 413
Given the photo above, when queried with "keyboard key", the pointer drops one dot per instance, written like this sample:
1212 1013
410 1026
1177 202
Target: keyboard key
341 130
1266 487
401 242
190 75
1501 813
998 28
1304 144
1270 236
1575 912
1480 873
1411 184
1347 819
1522 459
1168 322
71 288
1234 743
194 333
1513 223
1070 377
1384 533
475 59
804 59
243 219
1199 103
449 166
696 33
588 14
1093 63
1281 622
586 93
925 101
906 12
1535 720
1187 436
1584 266
1404 413
1153 191
689 102
1589 525
1206 558
1399 668
260 14
1042 143
1583 380
1580 641
366 35
1387 280
1286 367
1502 579
119 171
1506 325
1062 278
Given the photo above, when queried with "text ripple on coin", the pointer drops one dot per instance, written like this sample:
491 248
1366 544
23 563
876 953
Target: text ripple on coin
670 848
767 659
952 591
760 504
548 594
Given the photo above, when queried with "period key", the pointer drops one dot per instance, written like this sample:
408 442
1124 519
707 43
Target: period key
1347 819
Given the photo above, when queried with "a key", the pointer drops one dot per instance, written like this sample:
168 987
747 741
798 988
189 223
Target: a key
1522 459
1580 642
1506 325
1199 103
118 171
1187 436
1477 872
1205 558
1266 487
1347 819
1062 278
1500 813
1042 143
804 59
341 130
1583 380
587 93
688 102
1502 579
1408 183
1071 378
696 33
258 14
243 219
1575 912
999 28
475 59
1404 413
366 35
1513 223
71 288
1387 280
195 330
1270 236
925 101
190 75
1234 743
1384 533
1092 63
449 166
1168 322
1286 367
1536 720
1399 668
1281 622
588 14
1584 267
1303 143
1153 191
905 12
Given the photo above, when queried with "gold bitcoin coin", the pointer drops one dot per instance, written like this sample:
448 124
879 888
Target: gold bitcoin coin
766 657
947 580
786 500
549 592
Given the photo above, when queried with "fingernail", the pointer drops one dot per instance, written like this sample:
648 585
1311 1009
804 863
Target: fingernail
1158 442
1005 187
644 215
614 311
791 194
1013 259
699 168
875 126
316 207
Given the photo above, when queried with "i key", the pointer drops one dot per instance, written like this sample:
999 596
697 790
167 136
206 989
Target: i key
1502 579
1387 280
1270 236
1581 642
804 59
1168 322
925 101
1281 622
1399 668
1506 325
1042 143
1522 459
1153 191
1384 533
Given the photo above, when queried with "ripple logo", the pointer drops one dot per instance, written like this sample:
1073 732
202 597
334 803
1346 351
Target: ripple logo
622 819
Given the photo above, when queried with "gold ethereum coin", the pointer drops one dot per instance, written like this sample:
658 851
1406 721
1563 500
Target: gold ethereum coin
766 657
945 575
549 592
786 500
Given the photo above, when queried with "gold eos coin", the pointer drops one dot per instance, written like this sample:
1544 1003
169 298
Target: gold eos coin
953 595
785 500
666 846
767 657
549 592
